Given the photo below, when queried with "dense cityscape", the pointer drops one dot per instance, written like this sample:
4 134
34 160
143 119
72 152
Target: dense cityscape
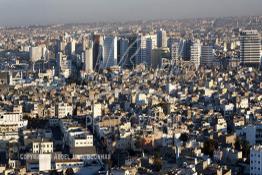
132 98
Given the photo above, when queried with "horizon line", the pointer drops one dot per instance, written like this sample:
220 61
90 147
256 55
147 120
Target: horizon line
121 21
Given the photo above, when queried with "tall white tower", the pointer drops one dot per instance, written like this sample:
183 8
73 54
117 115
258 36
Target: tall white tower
196 53
88 58
175 52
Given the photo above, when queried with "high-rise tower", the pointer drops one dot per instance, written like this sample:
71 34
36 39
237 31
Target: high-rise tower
250 46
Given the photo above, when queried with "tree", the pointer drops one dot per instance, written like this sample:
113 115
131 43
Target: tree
53 172
238 144
139 143
157 164
209 147
244 146
184 137
245 149
69 171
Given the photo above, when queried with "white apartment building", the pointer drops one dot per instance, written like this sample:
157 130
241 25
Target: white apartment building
175 52
80 140
97 110
88 59
74 135
10 118
42 146
196 53
65 65
65 164
221 125
63 109
37 52
44 162
10 123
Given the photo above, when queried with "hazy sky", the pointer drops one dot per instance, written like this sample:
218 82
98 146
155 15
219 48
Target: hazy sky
21 12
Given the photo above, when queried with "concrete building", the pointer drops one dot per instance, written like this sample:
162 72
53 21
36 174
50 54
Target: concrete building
161 38
72 47
157 57
42 146
146 44
10 124
175 52
75 136
63 109
250 46
124 42
98 51
88 59
64 65
4 78
80 139
256 160
196 53
110 51
35 53
185 49
207 55
97 110
65 164
44 162
251 133
10 118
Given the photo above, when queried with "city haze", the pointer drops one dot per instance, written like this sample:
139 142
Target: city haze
26 12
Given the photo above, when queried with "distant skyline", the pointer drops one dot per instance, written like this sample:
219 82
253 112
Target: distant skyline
29 12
